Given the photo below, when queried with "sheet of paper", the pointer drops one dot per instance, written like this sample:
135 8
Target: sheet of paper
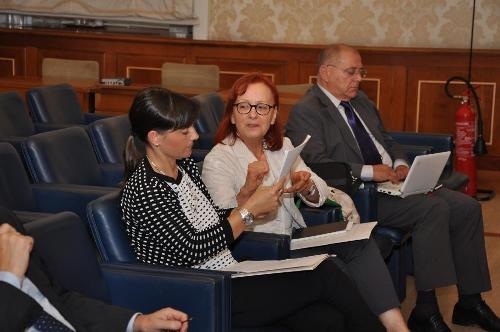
357 232
291 156
249 268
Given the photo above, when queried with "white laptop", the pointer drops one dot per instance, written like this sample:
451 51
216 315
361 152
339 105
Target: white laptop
422 177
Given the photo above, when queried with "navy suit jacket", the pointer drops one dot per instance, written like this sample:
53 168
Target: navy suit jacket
18 310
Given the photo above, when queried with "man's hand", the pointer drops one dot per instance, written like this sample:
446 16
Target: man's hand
165 319
402 172
300 182
382 172
15 251
255 175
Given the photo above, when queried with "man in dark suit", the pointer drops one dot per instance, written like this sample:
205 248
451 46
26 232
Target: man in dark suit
446 226
28 295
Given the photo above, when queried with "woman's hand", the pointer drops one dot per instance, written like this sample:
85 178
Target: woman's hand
301 182
265 199
256 172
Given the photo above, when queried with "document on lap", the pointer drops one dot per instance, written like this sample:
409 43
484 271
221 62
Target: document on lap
353 233
254 268
291 156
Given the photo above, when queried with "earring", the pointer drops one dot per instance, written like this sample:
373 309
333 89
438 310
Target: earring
157 145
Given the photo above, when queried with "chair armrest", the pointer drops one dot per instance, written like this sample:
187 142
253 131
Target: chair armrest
261 246
320 215
202 294
365 200
66 197
113 174
91 117
397 236
439 142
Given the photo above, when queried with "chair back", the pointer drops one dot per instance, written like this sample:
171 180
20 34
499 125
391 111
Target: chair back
63 156
67 69
109 137
56 104
190 75
211 112
14 119
15 189
108 229
64 245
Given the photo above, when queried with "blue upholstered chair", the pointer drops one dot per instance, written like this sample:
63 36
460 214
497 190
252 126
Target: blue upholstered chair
58 105
66 156
108 229
68 253
109 137
211 111
15 122
30 201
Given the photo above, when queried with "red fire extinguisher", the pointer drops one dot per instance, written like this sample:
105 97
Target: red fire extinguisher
465 161
468 142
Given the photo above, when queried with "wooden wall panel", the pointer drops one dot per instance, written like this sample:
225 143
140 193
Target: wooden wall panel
405 83
145 69
12 61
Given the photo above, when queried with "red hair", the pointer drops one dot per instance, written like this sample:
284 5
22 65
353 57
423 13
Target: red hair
274 136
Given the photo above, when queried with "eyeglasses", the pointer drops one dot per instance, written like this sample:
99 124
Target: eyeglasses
261 108
352 70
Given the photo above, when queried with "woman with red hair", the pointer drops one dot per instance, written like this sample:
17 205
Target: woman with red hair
249 151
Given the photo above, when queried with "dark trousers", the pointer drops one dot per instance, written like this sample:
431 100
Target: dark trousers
363 263
292 300
447 238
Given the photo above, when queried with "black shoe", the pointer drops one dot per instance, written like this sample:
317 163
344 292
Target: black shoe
433 323
481 314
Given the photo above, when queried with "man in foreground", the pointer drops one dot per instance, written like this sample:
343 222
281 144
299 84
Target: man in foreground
30 300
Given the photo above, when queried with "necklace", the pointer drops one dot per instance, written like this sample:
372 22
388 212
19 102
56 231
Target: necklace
156 168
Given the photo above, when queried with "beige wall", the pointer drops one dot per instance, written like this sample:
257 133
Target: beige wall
397 23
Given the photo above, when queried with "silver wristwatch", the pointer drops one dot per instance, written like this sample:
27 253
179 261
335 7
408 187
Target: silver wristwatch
246 216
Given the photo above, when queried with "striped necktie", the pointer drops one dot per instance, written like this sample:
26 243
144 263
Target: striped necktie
368 149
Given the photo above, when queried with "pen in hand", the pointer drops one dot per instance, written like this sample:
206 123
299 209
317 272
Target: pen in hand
187 320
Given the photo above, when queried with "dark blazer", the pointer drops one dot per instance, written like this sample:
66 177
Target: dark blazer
331 137
19 311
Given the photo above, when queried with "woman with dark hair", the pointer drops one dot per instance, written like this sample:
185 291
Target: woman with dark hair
249 152
171 220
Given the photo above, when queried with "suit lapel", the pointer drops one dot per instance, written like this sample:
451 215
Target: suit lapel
339 121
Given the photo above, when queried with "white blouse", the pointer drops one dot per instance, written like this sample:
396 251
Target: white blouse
224 173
